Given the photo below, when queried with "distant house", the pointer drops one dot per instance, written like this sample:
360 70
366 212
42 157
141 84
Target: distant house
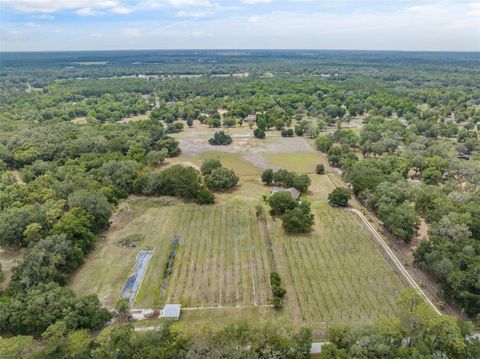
293 191
251 118
171 311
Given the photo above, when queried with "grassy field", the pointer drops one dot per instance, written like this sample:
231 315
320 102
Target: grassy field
335 274
221 261
221 269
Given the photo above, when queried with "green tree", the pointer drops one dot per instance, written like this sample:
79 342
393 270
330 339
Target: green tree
431 175
302 182
171 145
221 178
401 220
14 221
324 143
259 133
220 138
320 169
155 158
78 228
267 176
93 203
339 197
299 219
280 202
177 180
17 347
31 312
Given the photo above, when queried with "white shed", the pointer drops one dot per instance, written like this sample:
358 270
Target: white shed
171 311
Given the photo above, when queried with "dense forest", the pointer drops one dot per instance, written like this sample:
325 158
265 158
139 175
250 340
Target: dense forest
69 154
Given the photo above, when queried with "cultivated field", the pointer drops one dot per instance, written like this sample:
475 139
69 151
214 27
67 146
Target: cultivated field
222 259
222 265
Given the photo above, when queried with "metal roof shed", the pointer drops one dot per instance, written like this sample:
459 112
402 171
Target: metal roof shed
171 311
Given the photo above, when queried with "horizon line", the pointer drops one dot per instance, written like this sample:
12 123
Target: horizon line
240 49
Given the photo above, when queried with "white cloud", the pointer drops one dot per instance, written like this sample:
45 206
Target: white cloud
49 6
13 34
131 33
121 10
253 2
442 25
200 33
86 11
184 13
174 3
43 17
181 3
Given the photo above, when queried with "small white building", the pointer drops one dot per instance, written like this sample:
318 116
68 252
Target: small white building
171 311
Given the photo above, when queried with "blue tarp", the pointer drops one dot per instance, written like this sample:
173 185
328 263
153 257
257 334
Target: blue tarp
132 285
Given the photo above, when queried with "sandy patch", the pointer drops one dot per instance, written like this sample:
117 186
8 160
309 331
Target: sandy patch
79 121
134 118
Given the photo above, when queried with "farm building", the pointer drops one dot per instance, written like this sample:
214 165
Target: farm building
251 118
171 311
293 191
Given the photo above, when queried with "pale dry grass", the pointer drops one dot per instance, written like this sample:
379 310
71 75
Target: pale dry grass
9 258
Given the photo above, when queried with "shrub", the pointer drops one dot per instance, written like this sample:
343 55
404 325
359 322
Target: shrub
174 127
431 176
287 132
259 133
259 210
339 197
205 196
209 165
229 122
278 291
320 169
275 279
220 138
299 131
221 178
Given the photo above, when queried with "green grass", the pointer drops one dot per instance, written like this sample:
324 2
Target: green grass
300 162
221 260
108 266
334 274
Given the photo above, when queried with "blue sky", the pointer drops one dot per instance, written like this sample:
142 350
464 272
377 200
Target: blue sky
36 25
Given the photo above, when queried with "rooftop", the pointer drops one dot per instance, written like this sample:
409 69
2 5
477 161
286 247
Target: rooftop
171 311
